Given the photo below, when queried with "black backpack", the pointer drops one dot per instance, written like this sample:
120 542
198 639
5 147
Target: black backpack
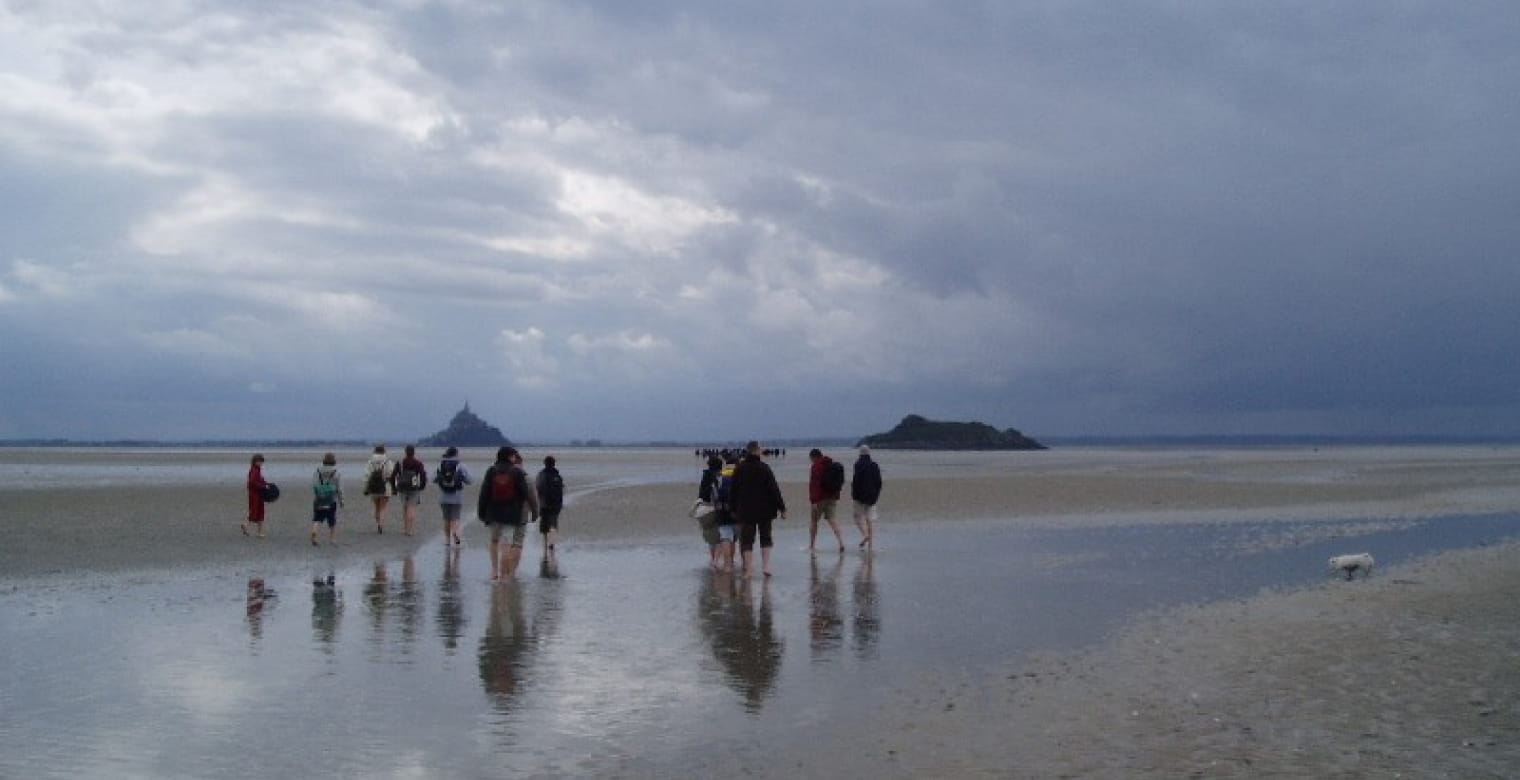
374 483
410 480
833 477
553 494
448 476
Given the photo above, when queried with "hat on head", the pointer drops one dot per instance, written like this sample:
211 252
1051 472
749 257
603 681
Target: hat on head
864 450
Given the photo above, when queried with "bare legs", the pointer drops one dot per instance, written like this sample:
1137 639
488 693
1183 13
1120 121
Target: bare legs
865 514
381 502
820 512
409 514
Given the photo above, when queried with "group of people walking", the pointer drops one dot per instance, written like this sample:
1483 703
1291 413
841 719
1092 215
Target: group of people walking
507 502
742 501
741 492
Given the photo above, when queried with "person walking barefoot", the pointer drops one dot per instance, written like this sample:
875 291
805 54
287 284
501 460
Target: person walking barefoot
865 490
411 479
505 496
756 499
451 478
825 481
327 498
379 482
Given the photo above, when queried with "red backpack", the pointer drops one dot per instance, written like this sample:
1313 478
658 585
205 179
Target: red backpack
504 486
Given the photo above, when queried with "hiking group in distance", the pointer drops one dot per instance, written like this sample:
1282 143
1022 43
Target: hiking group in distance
738 501
738 495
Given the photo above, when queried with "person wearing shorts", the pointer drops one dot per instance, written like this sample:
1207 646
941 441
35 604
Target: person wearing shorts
865 490
411 495
451 478
756 499
505 499
823 498
327 490
550 487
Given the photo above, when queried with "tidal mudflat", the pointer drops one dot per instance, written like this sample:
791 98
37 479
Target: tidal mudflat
630 658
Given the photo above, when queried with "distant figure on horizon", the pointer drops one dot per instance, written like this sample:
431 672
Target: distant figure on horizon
379 483
411 479
256 485
451 478
825 482
550 487
865 490
757 499
504 499
327 498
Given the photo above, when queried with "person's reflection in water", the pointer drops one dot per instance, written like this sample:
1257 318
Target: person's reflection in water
825 626
326 611
377 600
450 619
506 644
260 599
743 639
406 598
867 614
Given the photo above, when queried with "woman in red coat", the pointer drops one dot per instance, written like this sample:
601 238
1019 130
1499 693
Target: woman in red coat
256 486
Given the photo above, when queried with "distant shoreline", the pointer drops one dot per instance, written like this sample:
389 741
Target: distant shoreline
1265 441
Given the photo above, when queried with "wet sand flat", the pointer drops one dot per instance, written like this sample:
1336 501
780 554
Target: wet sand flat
1409 672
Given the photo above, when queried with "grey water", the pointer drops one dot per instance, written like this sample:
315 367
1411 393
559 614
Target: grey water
624 655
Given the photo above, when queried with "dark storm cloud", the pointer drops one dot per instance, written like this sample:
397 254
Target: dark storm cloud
1062 217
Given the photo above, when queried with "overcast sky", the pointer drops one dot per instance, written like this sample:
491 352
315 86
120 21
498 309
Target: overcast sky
693 220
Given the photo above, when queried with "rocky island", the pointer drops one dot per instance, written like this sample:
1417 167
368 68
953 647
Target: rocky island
466 430
918 433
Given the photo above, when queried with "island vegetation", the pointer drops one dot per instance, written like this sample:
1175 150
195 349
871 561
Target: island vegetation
919 433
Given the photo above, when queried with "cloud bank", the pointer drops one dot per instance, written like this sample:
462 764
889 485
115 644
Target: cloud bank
673 220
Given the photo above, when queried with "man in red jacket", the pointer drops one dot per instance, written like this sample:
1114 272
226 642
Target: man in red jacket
824 485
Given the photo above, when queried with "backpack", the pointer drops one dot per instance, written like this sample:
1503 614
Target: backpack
409 480
448 476
553 494
327 492
833 477
504 486
374 482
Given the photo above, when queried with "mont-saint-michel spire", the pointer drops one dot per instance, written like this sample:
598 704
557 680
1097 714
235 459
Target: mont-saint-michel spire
467 430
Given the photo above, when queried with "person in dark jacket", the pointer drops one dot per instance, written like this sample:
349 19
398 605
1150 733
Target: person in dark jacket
550 487
756 499
504 492
865 490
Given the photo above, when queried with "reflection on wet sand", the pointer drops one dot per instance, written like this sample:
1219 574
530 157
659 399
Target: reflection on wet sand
450 620
326 611
512 638
406 599
825 626
398 602
867 616
743 638
260 599
504 647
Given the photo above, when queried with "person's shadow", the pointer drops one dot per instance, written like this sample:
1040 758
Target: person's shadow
743 637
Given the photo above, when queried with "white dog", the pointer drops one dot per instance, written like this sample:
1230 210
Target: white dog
1351 564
